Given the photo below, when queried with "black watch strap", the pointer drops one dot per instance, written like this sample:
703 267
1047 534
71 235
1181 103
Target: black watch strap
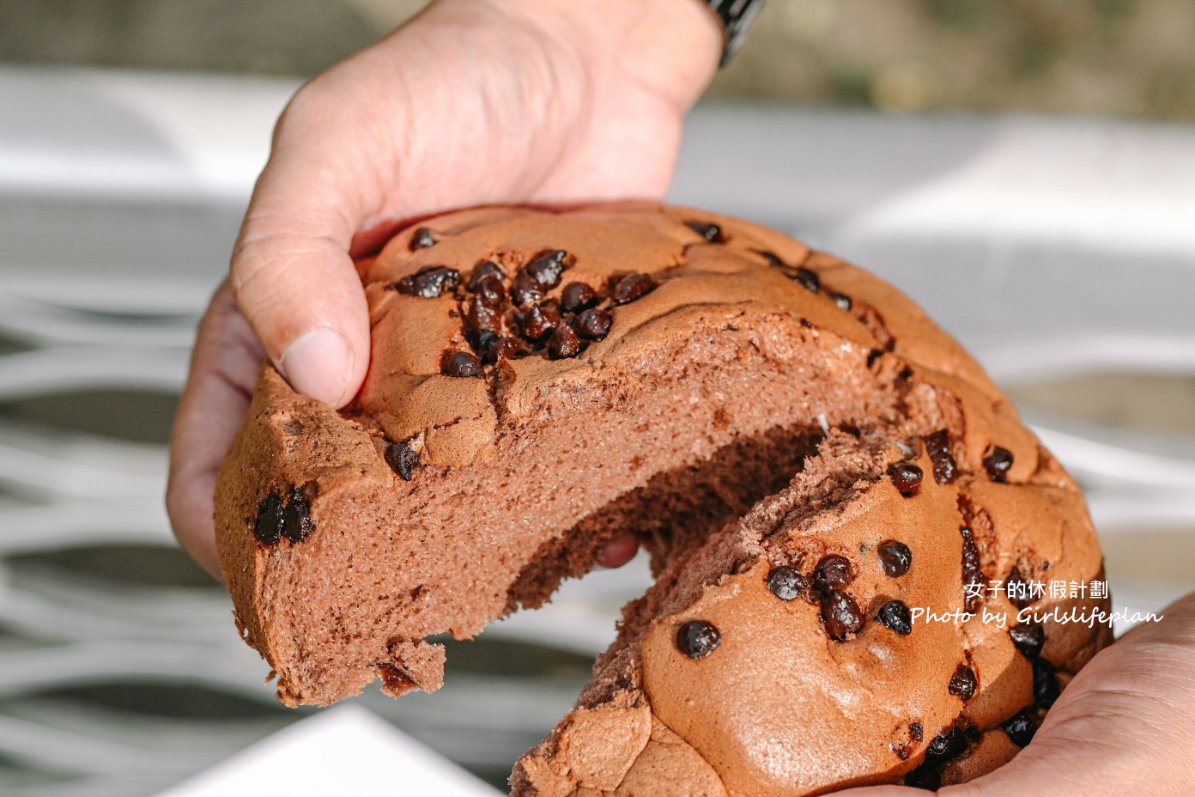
736 16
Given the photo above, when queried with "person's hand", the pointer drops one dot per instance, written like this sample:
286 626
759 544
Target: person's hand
1124 726
473 102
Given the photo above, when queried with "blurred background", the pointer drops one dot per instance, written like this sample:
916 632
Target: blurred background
1024 169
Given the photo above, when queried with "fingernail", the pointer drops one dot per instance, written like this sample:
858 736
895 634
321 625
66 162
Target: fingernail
318 364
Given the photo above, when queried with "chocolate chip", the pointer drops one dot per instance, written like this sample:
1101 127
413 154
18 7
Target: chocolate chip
840 614
938 446
896 558
268 527
429 282
711 232
489 291
808 279
461 364
1017 590
906 477
916 731
833 571
873 357
631 287
841 299
1028 638
772 258
511 348
487 343
525 290
972 575
997 463
577 296
594 324
537 322
486 269
786 583
963 683
925 777
895 616
563 343
422 239
697 639
1046 688
1021 727
481 315
547 267
403 459
297 524
947 745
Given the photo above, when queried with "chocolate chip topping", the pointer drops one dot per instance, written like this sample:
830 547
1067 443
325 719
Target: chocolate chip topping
525 290
963 682
895 616
786 583
972 574
537 322
422 239
896 557
833 571
997 463
916 731
461 364
631 287
486 269
487 343
808 279
594 324
1028 638
938 446
841 299
711 232
482 325
925 777
1016 588
906 477
947 745
489 292
429 282
547 267
402 459
840 614
1021 727
578 296
269 524
564 343
1046 688
297 524
697 639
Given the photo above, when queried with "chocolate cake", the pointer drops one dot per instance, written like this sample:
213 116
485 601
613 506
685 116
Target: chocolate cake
811 463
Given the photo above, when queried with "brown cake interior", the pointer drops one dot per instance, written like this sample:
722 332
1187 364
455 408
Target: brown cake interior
691 439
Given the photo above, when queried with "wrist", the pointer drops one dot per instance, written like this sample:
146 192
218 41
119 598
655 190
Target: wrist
670 48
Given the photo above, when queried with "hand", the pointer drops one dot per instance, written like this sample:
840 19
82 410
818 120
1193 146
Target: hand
1124 726
473 102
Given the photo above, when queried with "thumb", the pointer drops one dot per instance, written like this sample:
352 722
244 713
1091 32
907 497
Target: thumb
295 282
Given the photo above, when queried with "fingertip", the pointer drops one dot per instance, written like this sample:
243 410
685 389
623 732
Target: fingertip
320 364
619 552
